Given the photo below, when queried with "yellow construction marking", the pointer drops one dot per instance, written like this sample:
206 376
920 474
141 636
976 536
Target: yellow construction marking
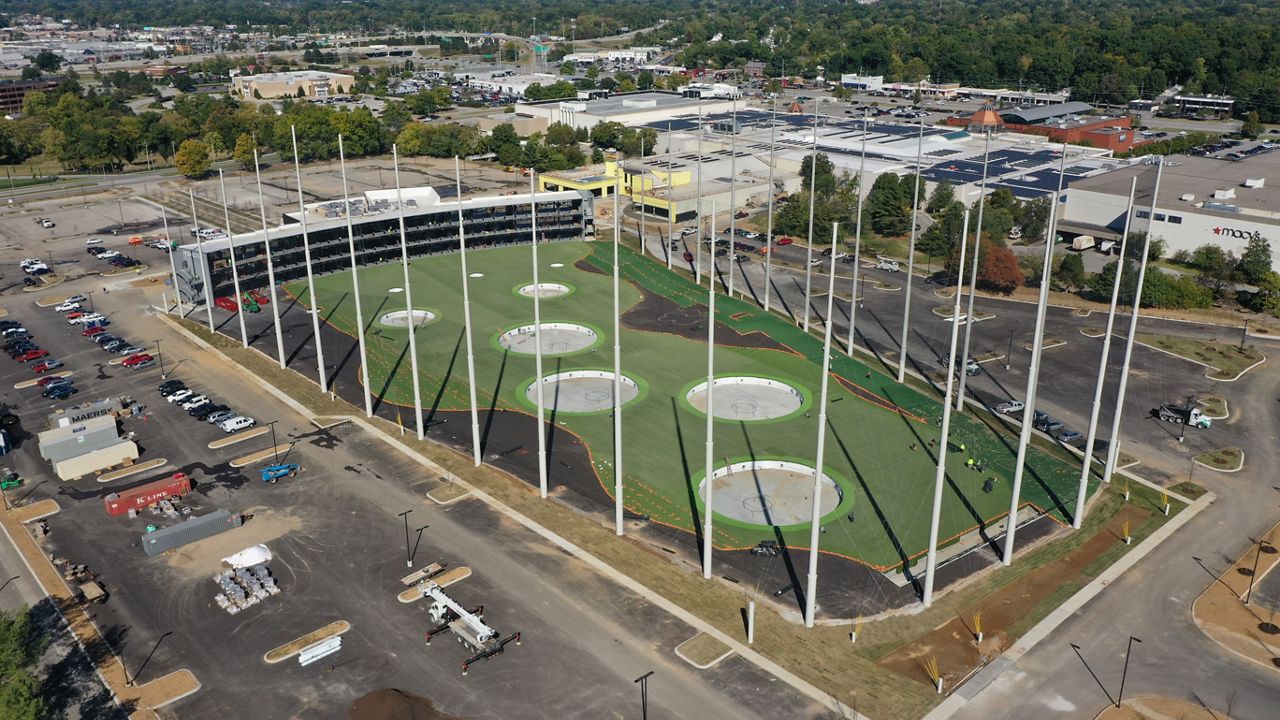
293 647
32 382
260 456
125 472
444 579
237 437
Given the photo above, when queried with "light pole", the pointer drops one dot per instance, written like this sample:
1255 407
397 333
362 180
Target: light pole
1125 674
408 554
1248 594
643 681
160 357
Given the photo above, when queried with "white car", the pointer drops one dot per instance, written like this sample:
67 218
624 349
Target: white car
1011 407
108 255
90 318
93 241
194 401
180 395
67 306
964 317
47 223
236 423
887 264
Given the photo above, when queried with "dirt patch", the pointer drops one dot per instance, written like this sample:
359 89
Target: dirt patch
204 558
1247 630
702 651
656 313
954 644
394 704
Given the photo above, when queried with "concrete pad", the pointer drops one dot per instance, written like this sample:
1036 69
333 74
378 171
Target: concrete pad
748 398
234 438
260 456
556 338
769 492
581 391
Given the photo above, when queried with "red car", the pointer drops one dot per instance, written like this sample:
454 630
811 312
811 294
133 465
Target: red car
688 256
30 355
47 379
227 304
74 315
90 332
46 366
260 297
783 240
136 359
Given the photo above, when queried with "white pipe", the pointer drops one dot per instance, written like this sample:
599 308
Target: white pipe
537 343
642 174
408 299
617 369
697 247
204 262
311 281
733 194
857 241
940 473
1113 450
768 235
670 202
173 268
815 517
466 322
1082 492
355 284
271 263
973 275
1033 372
707 480
911 264
235 272
813 192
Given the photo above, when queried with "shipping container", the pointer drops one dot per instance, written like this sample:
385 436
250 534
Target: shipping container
189 531
147 495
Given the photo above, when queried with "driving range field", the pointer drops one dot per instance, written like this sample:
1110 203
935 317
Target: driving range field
880 453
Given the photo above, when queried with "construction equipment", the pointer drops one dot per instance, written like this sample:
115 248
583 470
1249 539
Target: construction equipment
10 480
272 473
466 625
1187 414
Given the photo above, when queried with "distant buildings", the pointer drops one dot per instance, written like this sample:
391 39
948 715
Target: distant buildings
13 92
630 109
304 83
1070 122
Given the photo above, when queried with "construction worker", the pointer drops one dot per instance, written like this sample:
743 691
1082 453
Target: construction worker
969 463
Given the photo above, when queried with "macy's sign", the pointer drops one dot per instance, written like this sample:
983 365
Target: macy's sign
1237 234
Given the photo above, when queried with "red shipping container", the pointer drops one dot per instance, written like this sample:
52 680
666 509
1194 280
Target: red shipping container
147 495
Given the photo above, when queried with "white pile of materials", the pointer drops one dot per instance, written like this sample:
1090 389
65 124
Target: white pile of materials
242 588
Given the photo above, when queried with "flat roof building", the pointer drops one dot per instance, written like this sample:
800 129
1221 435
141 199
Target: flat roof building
86 447
630 109
1202 201
303 83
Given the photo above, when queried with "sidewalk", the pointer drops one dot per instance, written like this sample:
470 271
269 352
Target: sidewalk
142 699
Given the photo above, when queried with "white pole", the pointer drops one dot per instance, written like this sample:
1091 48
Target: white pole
707 483
768 234
1113 450
1033 373
204 262
911 264
408 299
271 265
973 275
466 322
751 622
643 172
670 203
311 281
815 517
617 368
1082 492
697 264
537 343
857 240
813 191
355 284
231 253
940 474
173 269
733 196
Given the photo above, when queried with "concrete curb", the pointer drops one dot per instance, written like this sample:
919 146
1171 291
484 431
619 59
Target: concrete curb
1037 634
1235 469
592 561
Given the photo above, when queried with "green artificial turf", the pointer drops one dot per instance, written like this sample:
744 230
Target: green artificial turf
874 421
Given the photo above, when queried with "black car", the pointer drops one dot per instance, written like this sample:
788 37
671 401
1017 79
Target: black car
173 389
170 384
9 419
205 410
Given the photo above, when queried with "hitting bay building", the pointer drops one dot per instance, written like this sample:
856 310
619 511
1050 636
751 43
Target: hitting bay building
431 227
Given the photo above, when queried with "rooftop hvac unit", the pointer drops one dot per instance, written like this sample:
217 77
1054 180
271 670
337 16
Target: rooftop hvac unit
1188 197
1224 194
1255 183
639 104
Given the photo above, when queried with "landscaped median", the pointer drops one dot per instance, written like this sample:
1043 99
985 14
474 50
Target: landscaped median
874 674
1247 629
1226 361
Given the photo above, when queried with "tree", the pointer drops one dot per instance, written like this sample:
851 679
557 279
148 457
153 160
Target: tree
1000 272
395 116
941 198
1218 268
825 176
567 68
47 60
1255 261
1034 218
1070 273
19 686
192 159
214 142
1252 126
887 206
243 152
1137 239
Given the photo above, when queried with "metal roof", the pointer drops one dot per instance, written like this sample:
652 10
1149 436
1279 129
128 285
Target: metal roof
1031 116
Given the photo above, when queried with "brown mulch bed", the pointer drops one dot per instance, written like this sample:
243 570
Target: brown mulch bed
394 704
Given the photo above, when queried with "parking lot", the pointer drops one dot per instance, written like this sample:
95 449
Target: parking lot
339 551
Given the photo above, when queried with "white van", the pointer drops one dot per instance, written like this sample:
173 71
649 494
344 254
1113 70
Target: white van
236 424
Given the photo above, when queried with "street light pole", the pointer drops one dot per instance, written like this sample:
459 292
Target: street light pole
408 555
643 680
160 357
1254 575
